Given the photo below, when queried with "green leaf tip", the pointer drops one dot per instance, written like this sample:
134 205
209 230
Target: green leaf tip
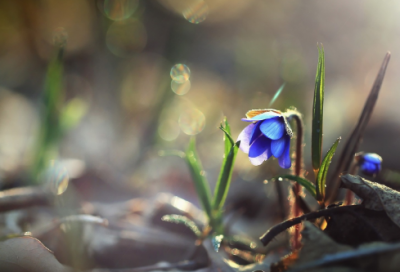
318 111
302 181
323 171
228 141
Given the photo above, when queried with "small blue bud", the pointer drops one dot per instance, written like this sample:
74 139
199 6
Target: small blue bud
370 163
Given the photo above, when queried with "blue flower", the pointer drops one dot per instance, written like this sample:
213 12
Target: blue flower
268 135
370 163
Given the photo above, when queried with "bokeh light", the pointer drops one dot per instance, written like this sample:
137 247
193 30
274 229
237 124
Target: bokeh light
118 10
125 38
197 13
169 130
180 88
56 177
192 121
180 73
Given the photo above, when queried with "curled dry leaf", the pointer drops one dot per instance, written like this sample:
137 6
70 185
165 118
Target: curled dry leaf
375 196
27 254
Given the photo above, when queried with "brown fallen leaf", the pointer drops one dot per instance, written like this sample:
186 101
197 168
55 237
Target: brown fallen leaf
27 254
375 196
316 245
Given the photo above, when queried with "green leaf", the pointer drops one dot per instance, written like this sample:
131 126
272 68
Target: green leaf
302 181
318 110
225 176
216 241
180 219
200 181
229 142
321 177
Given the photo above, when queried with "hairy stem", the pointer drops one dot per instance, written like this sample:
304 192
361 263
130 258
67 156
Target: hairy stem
298 164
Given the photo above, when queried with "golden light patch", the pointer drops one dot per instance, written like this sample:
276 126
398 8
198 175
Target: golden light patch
253 113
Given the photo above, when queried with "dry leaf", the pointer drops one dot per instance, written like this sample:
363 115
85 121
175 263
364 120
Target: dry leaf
375 196
27 254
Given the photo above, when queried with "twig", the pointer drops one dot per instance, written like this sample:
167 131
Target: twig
24 197
346 255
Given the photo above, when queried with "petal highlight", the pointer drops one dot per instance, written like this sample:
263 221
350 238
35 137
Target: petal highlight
273 128
278 146
244 138
373 158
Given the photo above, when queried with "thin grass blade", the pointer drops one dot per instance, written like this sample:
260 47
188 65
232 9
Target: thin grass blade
318 111
276 95
199 179
321 178
225 176
352 143
302 181
180 219
50 131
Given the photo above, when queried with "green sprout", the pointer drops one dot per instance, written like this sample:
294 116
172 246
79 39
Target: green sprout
320 166
56 118
212 206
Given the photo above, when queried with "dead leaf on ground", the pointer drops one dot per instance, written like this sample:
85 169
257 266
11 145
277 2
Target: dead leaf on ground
375 196
27 254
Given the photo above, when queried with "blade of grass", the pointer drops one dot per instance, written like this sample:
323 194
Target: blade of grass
200 181
52 98
351 146
180 219
318 110
302 181
224 179
276 95
321 178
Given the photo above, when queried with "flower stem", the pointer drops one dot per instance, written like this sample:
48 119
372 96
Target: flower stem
296 212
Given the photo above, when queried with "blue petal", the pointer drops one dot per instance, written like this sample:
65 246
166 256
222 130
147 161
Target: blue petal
260 145
370 168
263 156
244 138
278 146
373 158
263 116
284 160
273 128
256 132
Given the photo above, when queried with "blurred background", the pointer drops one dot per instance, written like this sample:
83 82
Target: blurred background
153 73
